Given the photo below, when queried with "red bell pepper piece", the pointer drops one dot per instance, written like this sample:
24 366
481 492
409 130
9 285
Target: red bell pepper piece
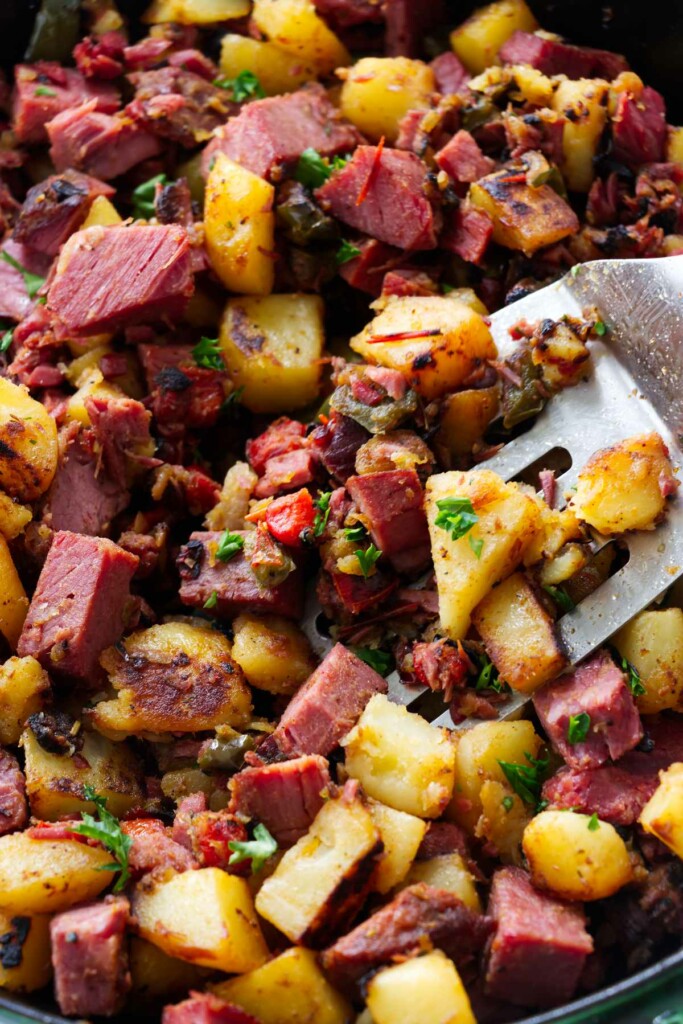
287 517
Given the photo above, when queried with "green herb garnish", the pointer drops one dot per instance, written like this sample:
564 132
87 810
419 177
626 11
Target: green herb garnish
244 86
600 328
356 532
43 90
346 251
106 829
212 600
456 516
6 340
476 544
322 503
258 850
561 598
633 679
143 197
32 281
228 546
207 353
311 170
526 780
381 661
593 823
578 727
508 803
367 559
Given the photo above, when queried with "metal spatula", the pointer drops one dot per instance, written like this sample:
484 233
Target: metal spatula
635 386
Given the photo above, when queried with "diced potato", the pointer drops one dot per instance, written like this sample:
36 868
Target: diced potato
54 784
573 858
277 70
205 917
379 91
504 816
13 517
465 417
28 443
556 528
562 355
44 876
662 815
233 503
295 26
272 652
532 85
508 520
565 564
400 759
426 988
13 599
195 12
672 245
525 217
24 685
291 989
155 975
620 488
102 214
91 384
448 872
321 881
477 41
674 147
272 349
239 227
173 677
583 104
401 835
34 969
477 754
653 643
519 635
433 364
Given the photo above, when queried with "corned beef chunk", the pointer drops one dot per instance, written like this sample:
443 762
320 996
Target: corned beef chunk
179 105
555 58
286 473
281 437
442 838
83 497
540 945
56 208
45 89
13 812
367 270
90 958
182 395
285 797
597 689
112 277
337 443
408 22
15 301
79 606
234 583
211 833
421 917
203 1008
357 594
100 144
328 704
153 847
451 74
274 132
121 428
188 807
392 503
347 13
380 192
639 128
100 56
462 159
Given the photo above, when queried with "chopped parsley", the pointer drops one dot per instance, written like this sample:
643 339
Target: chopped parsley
526 780
258 850
229 545
593 823
244 86
143 197
600 328
106 829
32 281
456 516
6 340
578 727
43 90
356 532
311 170
447 288
561 598
476 544
346 251
212 600
367 559
633 679
207 353
322 504
381 661
508 803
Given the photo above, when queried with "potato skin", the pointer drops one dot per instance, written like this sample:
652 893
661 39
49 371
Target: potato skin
35 969
573 860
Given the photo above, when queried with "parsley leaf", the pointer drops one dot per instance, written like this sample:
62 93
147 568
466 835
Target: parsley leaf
600 328
476 544
508 803
526 780
32 281
593 823
356 532
106 828
43 90
244 86
447 288
6 340
367 559
212 600
143 197
311 170
322 503
346 251
488 678
228 546
633 678
381 661
258 850
456 516
207 353
561 598
578 727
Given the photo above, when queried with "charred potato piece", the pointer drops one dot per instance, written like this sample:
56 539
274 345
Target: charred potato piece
44 876
24 684
28 444
13 517
272 652
155 975
464 419
525 217
583 104
33 969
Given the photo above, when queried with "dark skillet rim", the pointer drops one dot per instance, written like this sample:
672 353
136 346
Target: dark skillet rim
610 998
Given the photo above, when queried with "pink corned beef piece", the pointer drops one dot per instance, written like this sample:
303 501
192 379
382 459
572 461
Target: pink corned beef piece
45 89
102 145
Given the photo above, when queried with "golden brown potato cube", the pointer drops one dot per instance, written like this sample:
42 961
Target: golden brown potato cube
449 872
466 568
653 643
156 975
205 917
561 353
662 815
566 563
321 881
583 104
291 989
556 528
13 599
272 652
424 988
277 70
23 687
525 217
272 348
445 341
13 517
44 876
379 91
195 12
504 816
33 969
519 635
401 835
295 26
28 443
477 41
54 783
464 419
173 677
625 487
